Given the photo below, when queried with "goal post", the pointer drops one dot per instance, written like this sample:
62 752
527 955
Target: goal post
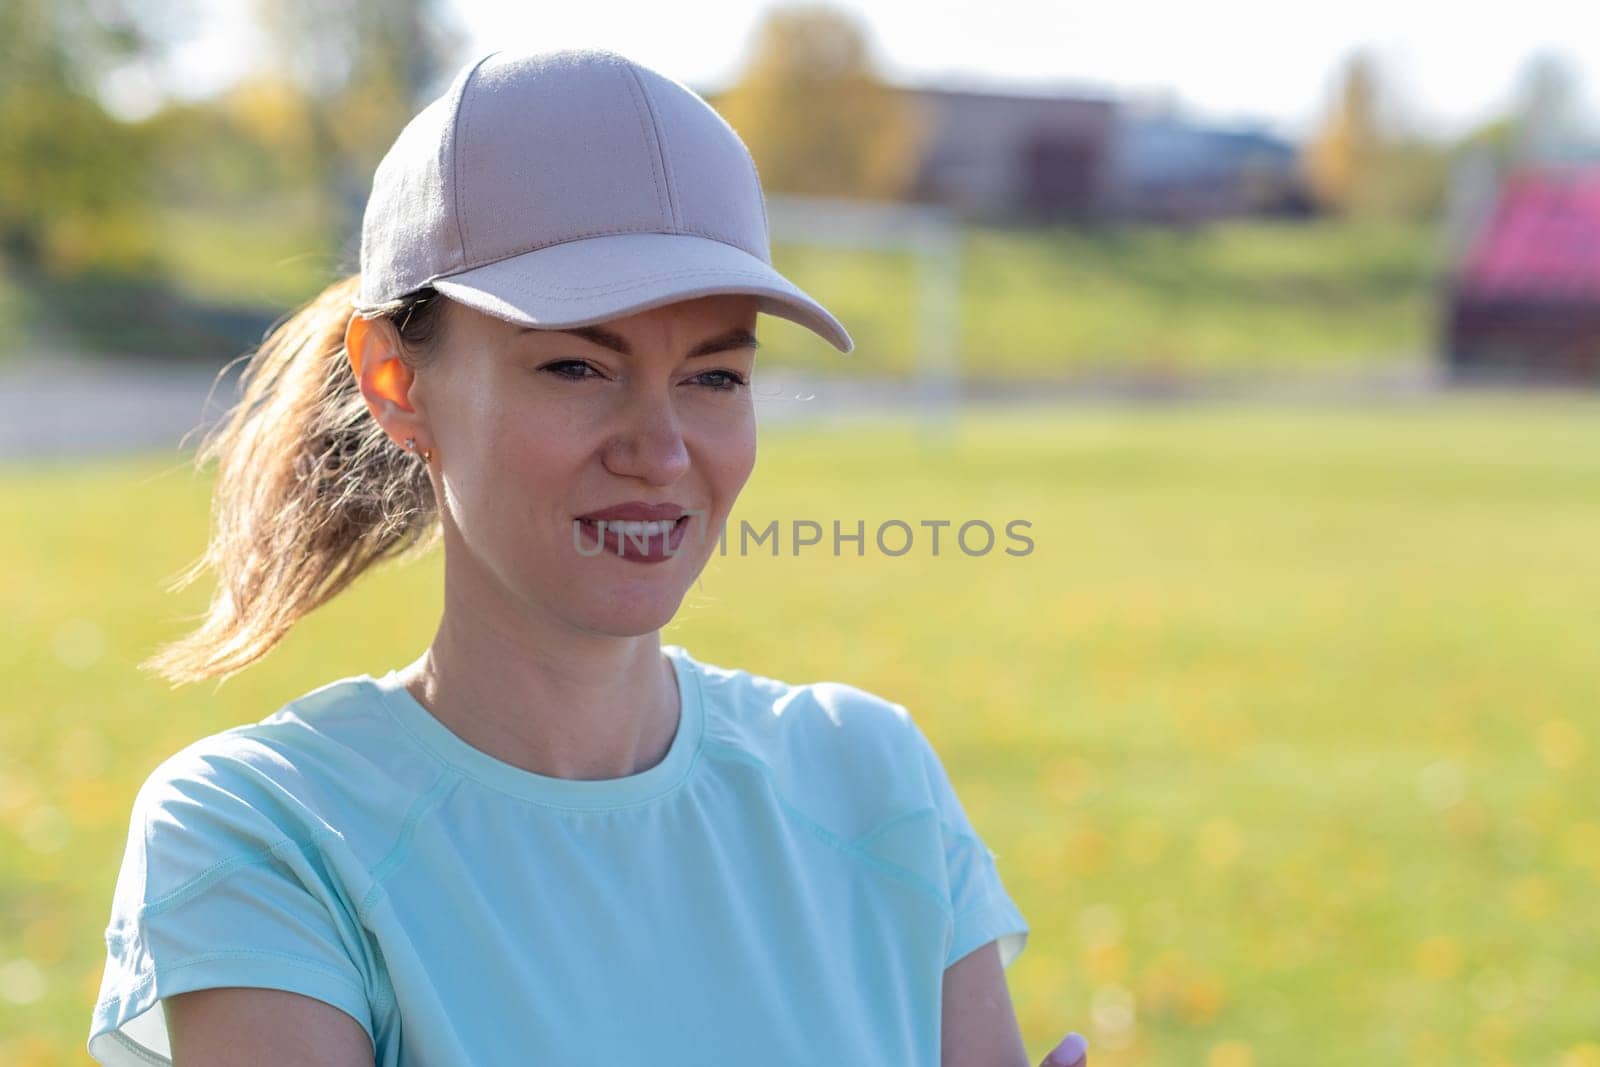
934 238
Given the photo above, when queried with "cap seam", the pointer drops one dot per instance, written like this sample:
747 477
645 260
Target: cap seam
660 146
755 172
653 152
460 131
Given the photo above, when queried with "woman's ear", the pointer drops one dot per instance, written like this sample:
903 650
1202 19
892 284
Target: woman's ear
373 348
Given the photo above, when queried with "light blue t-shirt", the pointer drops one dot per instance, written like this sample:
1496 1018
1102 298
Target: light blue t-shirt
786 886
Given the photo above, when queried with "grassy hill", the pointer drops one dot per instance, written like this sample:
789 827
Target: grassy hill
1236 298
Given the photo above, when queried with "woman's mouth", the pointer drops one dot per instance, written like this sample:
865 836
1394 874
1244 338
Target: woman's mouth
650 541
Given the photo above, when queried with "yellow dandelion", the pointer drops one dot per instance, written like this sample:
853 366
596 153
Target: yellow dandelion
1044 856
1089 849
1491 1033
1201 1000
89 984
1582 842
1532 897
1159 987
1231 1054
1469 819
94 802
1068 780
17 795
45 940
1584 1055
1106 964
84 752
33 1051
1560 743
1219 842
1438 957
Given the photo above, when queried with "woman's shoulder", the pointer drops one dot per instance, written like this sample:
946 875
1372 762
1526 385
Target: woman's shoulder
312 734
752 700
323 765
821 738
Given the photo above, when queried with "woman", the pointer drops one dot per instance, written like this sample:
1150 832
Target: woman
549 839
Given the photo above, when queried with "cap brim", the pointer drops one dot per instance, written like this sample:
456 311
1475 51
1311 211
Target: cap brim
580 283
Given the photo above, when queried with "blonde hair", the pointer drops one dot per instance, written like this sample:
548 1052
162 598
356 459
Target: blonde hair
309 491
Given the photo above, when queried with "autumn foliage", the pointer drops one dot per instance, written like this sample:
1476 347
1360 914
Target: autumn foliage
815 114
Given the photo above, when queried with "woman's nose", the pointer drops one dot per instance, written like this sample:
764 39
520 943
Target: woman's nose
648 440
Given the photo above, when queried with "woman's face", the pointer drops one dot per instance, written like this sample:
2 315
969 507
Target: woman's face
536 429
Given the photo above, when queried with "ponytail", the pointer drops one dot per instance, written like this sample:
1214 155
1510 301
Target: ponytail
309 491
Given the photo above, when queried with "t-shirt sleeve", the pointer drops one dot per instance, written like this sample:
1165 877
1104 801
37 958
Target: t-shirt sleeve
983 911
215 890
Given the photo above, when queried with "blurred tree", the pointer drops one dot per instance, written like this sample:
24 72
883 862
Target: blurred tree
343 78
1545 121
1495 140
1362 161
1410 180
814 113
1547 116
71 176
1344 150
243 146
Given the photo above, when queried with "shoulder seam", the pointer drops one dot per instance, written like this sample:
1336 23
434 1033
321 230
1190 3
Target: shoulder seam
851 849
424 806
222 868
945 825
861 840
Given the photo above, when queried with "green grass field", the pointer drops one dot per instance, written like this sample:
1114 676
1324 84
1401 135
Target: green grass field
1284 732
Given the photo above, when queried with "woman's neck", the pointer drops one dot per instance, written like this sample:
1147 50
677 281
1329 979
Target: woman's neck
595 708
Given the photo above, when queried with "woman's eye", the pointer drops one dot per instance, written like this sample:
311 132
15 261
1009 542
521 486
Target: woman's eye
721 379
576 370
571 369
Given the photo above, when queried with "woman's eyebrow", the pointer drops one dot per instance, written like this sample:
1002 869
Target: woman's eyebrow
738 337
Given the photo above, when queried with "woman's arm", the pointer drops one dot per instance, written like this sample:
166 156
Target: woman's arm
234 1026
979 1026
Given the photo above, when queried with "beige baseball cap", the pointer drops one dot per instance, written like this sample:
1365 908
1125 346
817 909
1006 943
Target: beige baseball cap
564 188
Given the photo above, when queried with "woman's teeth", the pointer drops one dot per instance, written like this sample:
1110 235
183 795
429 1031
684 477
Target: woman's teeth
641 529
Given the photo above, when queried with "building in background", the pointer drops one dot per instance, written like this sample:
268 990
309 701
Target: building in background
1523 299
1008 158
1001 157
1167 169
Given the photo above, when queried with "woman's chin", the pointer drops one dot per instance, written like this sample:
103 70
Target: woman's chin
628 616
